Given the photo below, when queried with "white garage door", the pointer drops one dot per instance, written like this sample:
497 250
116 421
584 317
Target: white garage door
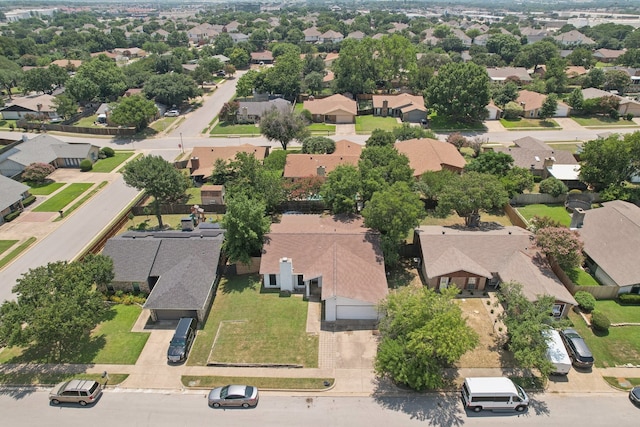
357 312
344 119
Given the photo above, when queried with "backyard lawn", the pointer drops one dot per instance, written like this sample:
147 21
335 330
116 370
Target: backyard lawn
498 217
63 198
110 342
555 212
110 163
529 123
366 124
581 277
250 326
223 128
618 346
565 146
44 188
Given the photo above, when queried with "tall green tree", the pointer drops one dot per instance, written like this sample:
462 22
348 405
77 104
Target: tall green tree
381 167
341 188
10 74
158 178
355 70
549 107
65 105
422 333
537 53
245 225
491 162
285 76
471 193
56 308
525 321
171 89
105 74
610 161
505 45
393 211
135 111
460 92
283 127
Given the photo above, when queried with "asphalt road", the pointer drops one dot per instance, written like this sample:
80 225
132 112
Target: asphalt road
25 408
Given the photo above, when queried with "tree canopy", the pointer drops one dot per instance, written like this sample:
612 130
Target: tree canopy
245 224
56 307
422 333
158 178
135 111
460 92
341 189
171 89
283 126
610 161
562 244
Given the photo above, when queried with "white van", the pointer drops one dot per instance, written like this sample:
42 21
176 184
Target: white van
497 393
556 352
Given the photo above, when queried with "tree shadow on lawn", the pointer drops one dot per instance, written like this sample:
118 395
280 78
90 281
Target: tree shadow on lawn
232 283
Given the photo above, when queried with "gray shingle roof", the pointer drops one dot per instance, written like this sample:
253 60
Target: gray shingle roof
45 149
10 191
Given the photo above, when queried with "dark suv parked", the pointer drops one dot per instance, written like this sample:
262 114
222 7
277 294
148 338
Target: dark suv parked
577 348
182 340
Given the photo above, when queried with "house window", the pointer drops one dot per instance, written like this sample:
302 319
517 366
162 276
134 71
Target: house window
136 287
110 288
272 280
300 280
444 282
557 310
471 283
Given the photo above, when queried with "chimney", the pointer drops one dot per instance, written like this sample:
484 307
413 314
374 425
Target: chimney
548 162
195 163
577 219
320 171
385 108
286 274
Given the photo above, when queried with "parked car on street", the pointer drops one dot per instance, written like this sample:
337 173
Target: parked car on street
233 395
634 395
172 113
76 391
578 350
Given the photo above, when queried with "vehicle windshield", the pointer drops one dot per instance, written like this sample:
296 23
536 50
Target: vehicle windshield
224 392
521 393
177 341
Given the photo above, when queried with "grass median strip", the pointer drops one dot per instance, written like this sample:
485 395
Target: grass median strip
17 251
38 377
260 382
84 199
63 198
622 383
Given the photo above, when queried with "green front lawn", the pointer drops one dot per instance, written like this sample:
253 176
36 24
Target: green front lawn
521 122
618 346
47 378
555 212
599 121
224 128
110 342
322 129
63 198
110 163
6 244
367 124
278 383
44 188
444 124
6 124
251 326
161 124
84 198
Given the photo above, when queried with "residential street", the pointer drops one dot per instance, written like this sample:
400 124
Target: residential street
140 408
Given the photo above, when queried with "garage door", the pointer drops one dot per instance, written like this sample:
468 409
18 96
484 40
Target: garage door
344 119
175 314
357 312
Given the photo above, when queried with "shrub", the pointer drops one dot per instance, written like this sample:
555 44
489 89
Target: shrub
28 200
10 217
629 117
575 191
630 299
585 300
599 321
553 186
86 165
107 151
12 126
512 110
614 114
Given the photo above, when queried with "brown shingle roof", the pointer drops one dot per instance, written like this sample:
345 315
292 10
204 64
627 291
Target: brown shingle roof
530 100
611 236
405 102
534 157
302 165
331 105
426 154
344 253
207 156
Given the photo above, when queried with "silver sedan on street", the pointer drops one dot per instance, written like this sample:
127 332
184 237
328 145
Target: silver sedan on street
233 395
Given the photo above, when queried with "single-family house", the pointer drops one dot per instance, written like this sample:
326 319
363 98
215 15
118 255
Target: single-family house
481 259
430 155
45 149
252 111
179 270
333 109
330 36
203 159
335 258
533 35
263 57
303 165
12 193
608 55
466 40
356 35
68 64
410 108
626 105
574 38
328 79
531 103
611 237
131 52
533 154
503 74
574 71
41 106
311 35
232 27
239 37
330 58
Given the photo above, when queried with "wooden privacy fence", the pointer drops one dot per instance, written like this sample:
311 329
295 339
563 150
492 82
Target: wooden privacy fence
76 129
515 217
598 292
177 209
